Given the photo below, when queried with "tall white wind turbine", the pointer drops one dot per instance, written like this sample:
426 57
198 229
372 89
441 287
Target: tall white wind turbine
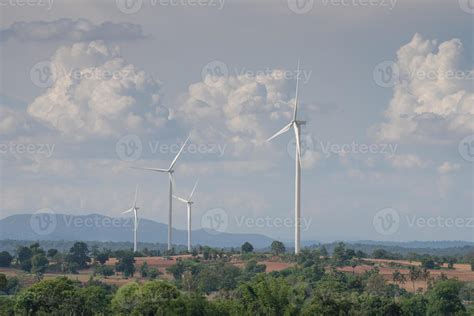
134 209
170 172
295 124
188 202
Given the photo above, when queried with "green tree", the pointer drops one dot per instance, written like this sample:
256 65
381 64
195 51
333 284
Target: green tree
414 273
3 282
414 305
79 255
247 247
144 270
39 263
24 255
398 277
95 300
5 259
104 270
126 263
277 247
52 252
102 257
443 298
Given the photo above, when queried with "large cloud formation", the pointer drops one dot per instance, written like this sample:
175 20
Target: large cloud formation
97 93
77 30
433 101
241 110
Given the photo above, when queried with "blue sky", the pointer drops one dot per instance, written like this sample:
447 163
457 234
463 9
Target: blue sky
375 151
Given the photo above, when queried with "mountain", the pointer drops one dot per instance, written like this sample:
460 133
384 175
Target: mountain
96 227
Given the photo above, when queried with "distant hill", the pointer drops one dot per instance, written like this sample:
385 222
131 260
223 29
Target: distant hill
95 227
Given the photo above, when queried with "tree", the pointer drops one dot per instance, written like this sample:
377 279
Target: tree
5 259
428 263
3 282
79 255
102 257
104 270
126 263
398 277
144 271
277 247
52 252
414 273
39 263
340 255
24 255
444 299
247 247
94 301
324 252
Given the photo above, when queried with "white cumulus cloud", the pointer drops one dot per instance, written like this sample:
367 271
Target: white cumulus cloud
97 93
434 99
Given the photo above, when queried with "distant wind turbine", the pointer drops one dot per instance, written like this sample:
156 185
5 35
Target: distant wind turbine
295 123
170 171
134 209
188 202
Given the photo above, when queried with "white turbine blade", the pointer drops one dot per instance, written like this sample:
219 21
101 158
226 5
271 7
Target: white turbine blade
283 130
151 169
136 196
298 144
181 199
128 211
194 189
179 153
295 110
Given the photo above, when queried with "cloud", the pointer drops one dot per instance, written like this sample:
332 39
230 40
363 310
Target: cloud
241 110
432 101
97 93
408 161
13 121
448 167
71 30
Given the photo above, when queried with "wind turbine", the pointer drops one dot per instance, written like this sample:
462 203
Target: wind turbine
295 124
134 209
170 171
188 202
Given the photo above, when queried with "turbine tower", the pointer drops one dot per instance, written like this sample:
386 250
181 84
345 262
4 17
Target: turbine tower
134 209
170 172
295 124
188 202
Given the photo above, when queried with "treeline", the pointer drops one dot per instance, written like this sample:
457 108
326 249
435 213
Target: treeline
216 287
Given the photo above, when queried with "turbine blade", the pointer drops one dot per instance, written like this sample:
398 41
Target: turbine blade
128 211
298 144
295 110
283 130
181 199
194 189
136 196
151 169
179 153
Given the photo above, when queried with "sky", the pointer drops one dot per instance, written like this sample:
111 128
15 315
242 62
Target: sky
89 89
